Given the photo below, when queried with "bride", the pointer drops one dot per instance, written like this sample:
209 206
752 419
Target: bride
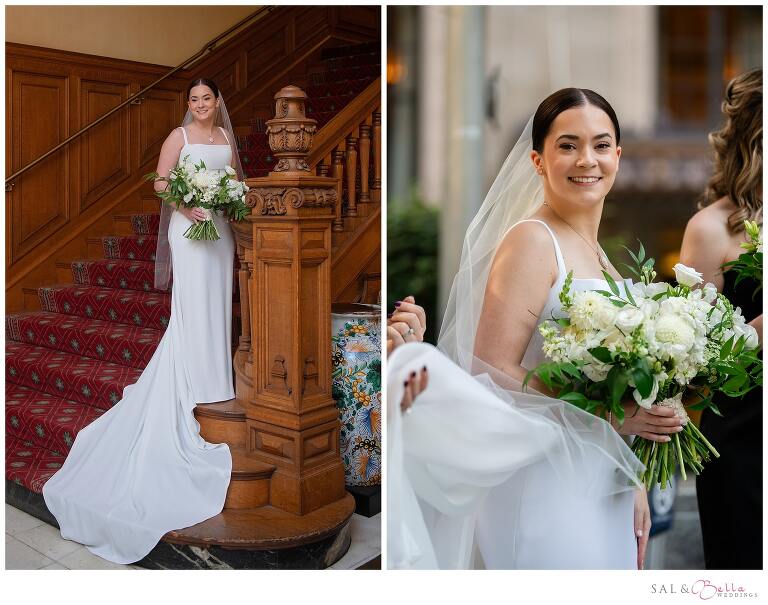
534 483
142 469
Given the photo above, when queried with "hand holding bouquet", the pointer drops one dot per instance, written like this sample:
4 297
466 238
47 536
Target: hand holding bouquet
652 342
194 186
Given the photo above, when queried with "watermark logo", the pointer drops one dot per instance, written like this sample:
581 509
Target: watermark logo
705 590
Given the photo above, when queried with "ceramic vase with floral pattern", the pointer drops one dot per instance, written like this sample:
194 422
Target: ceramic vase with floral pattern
356 351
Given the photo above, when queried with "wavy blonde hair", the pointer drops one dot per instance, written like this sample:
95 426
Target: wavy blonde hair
738 149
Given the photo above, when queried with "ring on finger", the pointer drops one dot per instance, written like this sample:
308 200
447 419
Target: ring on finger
410 331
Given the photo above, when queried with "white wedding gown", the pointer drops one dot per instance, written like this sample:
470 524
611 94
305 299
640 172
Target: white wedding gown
142 469
524 481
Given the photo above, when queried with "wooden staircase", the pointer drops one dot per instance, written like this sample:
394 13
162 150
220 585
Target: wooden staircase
254 530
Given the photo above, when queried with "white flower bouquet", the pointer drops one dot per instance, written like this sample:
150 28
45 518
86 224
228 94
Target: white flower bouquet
652 342
194 186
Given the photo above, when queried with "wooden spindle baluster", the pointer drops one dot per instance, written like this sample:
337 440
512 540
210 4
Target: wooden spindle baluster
322 169
351 170
245 301
376 151
338 174
365 149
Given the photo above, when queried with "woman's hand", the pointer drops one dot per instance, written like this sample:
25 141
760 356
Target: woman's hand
656 424
642 524
415 385
408 320
394 339
193 214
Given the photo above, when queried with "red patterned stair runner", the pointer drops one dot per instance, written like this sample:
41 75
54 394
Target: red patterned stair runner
68 363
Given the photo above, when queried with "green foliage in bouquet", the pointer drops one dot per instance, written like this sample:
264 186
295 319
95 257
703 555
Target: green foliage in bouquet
749 265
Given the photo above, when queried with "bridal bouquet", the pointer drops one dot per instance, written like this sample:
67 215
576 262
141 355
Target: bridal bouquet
194 186
749 265
652 342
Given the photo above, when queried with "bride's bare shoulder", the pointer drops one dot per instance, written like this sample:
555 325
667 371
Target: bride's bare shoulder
528 237
175 137
526 250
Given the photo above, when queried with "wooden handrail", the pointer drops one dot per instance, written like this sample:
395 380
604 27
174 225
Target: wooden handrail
208 47
349 117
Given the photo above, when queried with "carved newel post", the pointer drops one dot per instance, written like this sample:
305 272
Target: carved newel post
284 366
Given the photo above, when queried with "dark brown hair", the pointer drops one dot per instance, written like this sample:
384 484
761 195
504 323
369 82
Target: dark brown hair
564 99
203 82
738 149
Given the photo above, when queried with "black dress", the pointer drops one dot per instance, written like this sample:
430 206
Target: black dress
729 489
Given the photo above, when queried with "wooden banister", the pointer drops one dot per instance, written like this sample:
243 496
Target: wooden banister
343 123
346 147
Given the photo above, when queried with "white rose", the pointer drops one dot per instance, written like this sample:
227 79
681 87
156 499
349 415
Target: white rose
655 288
229 170
749 333
188 197
753 341
629 318
687 276
649 308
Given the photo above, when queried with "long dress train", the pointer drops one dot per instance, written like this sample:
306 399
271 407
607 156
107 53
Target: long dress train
142 469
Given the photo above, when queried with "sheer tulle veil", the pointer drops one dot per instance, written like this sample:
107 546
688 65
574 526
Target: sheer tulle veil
476 429
163 264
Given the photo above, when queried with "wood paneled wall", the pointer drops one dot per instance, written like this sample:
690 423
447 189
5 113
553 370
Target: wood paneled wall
50 94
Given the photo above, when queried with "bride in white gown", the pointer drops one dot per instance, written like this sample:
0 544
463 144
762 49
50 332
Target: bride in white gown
479 467
142 469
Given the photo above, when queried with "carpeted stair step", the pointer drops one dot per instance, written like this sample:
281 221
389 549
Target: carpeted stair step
138 224
47 421
119 343
131 307
129 247
29 465
115 273
96 383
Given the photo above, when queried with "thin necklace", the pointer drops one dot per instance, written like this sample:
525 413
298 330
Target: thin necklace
600 258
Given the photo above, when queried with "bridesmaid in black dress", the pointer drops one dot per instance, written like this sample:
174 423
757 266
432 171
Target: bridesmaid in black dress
729 490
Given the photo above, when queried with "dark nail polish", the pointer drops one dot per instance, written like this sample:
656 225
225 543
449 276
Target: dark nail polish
405 384
389 315
413 374
398 303
423 368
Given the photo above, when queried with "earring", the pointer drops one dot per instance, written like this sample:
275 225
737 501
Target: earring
540 171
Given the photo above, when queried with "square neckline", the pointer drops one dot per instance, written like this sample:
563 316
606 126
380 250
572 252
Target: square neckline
187 143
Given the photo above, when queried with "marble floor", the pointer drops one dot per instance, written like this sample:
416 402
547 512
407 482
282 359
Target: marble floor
33 544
